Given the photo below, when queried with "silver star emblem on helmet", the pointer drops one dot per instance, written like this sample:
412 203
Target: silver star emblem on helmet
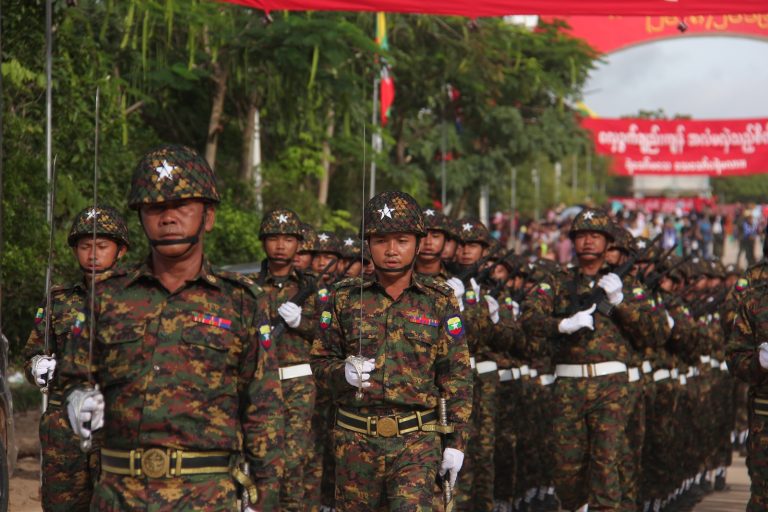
589 215
467 226
92 214
429 213
641 244
322 237
282 218
165 171
386 211
349 242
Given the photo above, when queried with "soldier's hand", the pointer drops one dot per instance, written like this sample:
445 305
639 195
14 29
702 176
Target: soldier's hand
291 313
613 286
42 368
475 286
763 355
578 321
670 321
515 309
493 308
84 406
353 378
451 464
458 290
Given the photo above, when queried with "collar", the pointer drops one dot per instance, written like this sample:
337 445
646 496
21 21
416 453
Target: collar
144 271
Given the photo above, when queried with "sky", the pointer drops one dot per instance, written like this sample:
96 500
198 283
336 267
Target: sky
707 77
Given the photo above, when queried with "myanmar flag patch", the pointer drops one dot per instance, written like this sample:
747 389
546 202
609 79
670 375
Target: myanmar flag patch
79 321
545 289
508 302
638 293
325 320
323 295
470 297
454 326
39 315
741 285
265 336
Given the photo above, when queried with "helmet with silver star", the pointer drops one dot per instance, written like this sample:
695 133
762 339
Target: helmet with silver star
169 173
435 220
590 219
281 221
474 231
327 241
393 212
647 250
351 246
308 238
622 240
109 223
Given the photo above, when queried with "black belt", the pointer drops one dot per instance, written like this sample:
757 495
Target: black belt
390 426
164 462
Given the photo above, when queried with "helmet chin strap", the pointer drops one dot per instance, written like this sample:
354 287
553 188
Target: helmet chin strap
398 270
191 240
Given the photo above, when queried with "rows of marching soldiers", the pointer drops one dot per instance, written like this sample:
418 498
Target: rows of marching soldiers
417 367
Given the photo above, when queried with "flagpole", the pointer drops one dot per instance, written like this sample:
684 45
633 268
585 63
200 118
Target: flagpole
375 137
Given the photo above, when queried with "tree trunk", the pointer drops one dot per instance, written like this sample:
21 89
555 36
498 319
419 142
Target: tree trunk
220 75
325 179
250 156
401 142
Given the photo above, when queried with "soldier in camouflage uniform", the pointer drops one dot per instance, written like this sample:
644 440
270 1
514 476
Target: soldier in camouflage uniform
183 356
591 354
302 261
281 235
408 336
68 474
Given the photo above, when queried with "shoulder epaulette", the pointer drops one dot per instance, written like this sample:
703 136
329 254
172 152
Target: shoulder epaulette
58 289
242 280
436 284
347 282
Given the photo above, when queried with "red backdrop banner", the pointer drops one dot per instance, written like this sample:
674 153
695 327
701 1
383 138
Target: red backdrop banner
478 8
610 33
714 148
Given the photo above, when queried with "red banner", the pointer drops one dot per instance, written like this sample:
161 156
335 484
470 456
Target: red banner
682 148
610 33
479 8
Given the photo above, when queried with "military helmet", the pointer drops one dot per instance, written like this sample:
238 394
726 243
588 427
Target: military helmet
351 247
393 212
169 173
327 241
308 238
109 223
474 231
622 240
436 221
281 221
590 219
647 250
732 270
454 228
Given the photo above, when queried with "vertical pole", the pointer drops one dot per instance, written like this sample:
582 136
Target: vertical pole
558 175
2 156
589 173
375 137
48 104
513 210
443 174
483 205
256 160
536 190
575 176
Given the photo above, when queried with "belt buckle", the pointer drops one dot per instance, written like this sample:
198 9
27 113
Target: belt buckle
154 463
386 427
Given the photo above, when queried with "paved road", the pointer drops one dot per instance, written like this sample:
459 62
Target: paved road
736 497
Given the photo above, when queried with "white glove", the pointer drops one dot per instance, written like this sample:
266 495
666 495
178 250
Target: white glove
458 290
578 321
515 309
291 313
42 369
763 355
84 405
452 461
475 286
612 285
350 373
493 308
670 320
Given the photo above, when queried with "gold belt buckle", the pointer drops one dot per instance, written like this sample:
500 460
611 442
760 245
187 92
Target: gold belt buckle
386 427
154 463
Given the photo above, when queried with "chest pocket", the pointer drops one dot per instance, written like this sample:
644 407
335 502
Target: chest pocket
122 352
211 355
420 344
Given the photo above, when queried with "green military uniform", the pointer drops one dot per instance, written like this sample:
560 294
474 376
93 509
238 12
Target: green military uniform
386 445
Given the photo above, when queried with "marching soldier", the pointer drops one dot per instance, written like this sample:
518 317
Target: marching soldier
389 350
68 474
303 259
183 356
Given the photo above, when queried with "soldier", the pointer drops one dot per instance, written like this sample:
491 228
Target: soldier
183 356
281 235
591 354
68 474
302 261
389 350
351 253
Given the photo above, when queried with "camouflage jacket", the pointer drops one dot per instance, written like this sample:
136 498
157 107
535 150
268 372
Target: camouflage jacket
633 325
750 329
417 341
68 338
193 369
509 342
294 345
730 308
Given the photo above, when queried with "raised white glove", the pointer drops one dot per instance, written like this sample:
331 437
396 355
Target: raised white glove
42 369
458 290
763 355
84 405
612 285
670 320
452 462
515 309
291 313
493 308
350 373
475 286
578 321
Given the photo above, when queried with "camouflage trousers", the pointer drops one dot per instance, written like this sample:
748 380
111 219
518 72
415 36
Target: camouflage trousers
660 455
68 473
507 426
299 398
757 454
319 483
212 493
632 451
590 415
723 397
475 484
392 474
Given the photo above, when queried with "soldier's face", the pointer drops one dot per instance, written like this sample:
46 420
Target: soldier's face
322 259
500 273
302 260
470 252
175 220
432 245
590 245
99 256
354 268
393 250
449 249
281 247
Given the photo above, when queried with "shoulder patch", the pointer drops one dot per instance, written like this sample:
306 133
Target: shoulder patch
242 280
325 319
742 284
436 284
453 326
347 282
544 289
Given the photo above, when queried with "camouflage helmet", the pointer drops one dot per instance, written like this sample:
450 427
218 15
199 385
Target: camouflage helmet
308 238
454 228
351 247
732 270
622 240
393 212
474 231
109 223
281 221
327 241
436 221
169 173
590 219
647 250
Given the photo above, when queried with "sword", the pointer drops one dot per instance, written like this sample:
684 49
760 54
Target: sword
442 407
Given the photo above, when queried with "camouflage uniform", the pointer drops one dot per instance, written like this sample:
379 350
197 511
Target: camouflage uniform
68 474
189 378
293 349
418 345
